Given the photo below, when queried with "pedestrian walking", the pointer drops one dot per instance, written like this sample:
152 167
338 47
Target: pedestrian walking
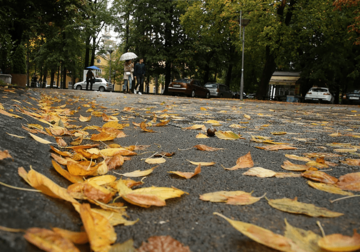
89 79
140 71
128 76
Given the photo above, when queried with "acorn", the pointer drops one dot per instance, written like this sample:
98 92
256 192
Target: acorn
211 131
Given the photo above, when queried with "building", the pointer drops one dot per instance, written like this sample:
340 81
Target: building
284 84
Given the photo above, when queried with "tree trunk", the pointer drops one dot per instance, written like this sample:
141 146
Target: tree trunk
63 84
44 79
87 53
52 78
168 45
267 72
58 76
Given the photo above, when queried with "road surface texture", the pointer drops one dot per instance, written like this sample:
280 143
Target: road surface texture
187 219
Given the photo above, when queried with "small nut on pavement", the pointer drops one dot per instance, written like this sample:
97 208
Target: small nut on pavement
211 131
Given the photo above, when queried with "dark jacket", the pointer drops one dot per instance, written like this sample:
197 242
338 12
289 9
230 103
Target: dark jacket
139 69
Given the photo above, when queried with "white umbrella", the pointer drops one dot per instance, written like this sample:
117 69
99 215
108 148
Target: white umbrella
128 56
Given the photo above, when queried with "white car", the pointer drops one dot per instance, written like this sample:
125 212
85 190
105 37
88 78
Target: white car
319 94
99 84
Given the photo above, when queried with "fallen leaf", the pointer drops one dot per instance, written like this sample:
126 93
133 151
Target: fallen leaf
115 161
243 199
294 157
213 122
110 152
196 127
103 136
84 119
224 196
243 162
202 163
155 160
201 135
227 135
162 123
115 125
278 133
107 118
74 237
49 240
352 162
5 154
61 153
127 246
276 147
60 142
66 174
293 167
187 175
260 172
339 242
40 140
317 165
143 128
321 154
9 114
138 173
247 116
100 232
320 176
287 175
163 244
345 150
15 135
78 169
330 188
261 235
293 206
350 181
203 147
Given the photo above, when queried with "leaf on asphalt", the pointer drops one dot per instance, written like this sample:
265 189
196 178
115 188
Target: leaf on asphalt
227 135
293 167
201 135
339 242
155 160
162 123
98 228
115 161
49 240
78 169
166 154
59 131
127 246
61 153
319 176
88 155
77 141
237 126
115 125
5 154
213 122
350 181
107 118
103 136
276 147
138 173
278 133
65 173
143 128
260 172
187 175
287 175
230 197
115 217
294 157
243 199
243 162
317 164
352 162
321 154
84 118
74 237
202 163
45 185
110 152
163 244
86 146
9 114
132 183
60 142
40 140
196 127
247 116
93 191
15 135
93 127
330 188
345 150
306 240
203 147
293 206
260 235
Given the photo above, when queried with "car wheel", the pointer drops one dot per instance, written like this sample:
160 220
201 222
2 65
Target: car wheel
101 89
78 87
207 95
193 93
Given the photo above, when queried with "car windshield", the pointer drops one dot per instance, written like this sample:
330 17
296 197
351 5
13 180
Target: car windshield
211 85
319 90
183 80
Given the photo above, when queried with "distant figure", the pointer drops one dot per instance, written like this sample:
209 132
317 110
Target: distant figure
89 79
128 75
140 71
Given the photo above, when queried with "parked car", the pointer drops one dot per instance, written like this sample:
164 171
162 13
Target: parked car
100 84
351 97
188 87
219 90
251 96
319 94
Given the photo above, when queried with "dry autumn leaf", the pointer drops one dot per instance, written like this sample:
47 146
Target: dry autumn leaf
74 237
227 135
137 173
260 172
261 235
294 157
293 167
5 154
317 165
352 162
61 153
163 244
350 181
293 206
247 117
320 176
66 174
231 197
103 136
276 147
196 127
187 175
330 188
243 162
78 169
278 133
339 242
162 123
40 140
287 175
61 143
155 160
49 240
84 118
203 147
143 128
110 152
201 135
202 163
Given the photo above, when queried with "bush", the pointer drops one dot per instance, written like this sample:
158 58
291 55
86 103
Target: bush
19 62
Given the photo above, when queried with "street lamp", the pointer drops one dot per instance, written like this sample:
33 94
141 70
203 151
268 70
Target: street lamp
243 23
110 50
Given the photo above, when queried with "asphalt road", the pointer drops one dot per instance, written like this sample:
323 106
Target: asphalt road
187 219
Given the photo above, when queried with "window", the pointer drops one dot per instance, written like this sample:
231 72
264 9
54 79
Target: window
98 61
70 83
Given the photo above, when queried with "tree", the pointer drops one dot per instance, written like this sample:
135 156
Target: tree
19 63
353 5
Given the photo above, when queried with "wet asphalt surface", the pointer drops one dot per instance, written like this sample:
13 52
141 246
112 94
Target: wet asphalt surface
187 219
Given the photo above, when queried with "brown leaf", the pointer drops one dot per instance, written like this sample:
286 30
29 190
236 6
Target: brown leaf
293 167
187 175
143 128
317 165
321 154
339 242
49 240
353 162
243 162
163 244
61 153
5 154
276 147
350 181
60 142
103 136
96 192
243 199
115 161
75 237
162 123
84 119
203 147
320 176
87 146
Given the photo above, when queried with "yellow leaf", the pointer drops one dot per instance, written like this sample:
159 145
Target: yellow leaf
15 135
187 175
293 167
230 197
143 128
276 147
345 150
115 125
237 126
279 133
243 162
247 116
213 122
138 173
75 237
339 242
9 114
203 109
294 157
202 163
317 165
330 188
5 154
203 147
66 174
293 206
155 160
196 127
110 152
260 235
115 218
40 140
103 136
260 172
36 126
84 119
227 135
201 135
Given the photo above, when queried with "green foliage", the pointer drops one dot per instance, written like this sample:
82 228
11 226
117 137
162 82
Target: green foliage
6 51
19 62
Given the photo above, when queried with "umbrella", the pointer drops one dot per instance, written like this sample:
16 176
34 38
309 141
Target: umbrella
128 56
93 68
